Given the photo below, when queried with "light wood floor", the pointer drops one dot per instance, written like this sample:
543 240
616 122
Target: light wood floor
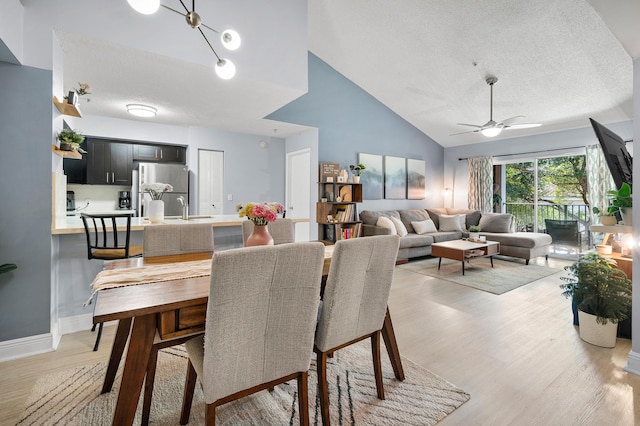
517 354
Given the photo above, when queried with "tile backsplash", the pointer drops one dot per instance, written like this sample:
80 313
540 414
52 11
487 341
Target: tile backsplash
100 197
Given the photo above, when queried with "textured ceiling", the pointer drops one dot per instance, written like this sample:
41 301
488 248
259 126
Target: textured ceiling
556 61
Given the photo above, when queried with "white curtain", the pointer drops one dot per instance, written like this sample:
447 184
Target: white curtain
599 179
481 183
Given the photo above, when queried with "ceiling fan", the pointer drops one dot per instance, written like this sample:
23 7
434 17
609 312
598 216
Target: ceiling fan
494 128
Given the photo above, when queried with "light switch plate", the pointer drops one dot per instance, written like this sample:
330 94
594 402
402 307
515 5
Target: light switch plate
229 197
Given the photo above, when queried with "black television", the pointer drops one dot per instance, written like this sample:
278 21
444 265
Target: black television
616 154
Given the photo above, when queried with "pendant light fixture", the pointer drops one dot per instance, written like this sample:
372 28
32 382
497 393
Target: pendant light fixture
230 39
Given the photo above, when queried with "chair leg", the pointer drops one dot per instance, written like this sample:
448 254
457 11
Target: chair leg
377 365
148 385
189 389
95 347
210 416
94 327
323 387
303 398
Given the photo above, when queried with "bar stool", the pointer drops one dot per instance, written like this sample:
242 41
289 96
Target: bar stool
103 243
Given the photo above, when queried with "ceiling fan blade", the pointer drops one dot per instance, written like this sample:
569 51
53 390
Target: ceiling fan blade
510 119
523 126
462 133
470 125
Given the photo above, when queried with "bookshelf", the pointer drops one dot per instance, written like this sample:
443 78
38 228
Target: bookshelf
337 210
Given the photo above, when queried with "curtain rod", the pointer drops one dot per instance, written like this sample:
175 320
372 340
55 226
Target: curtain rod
539 152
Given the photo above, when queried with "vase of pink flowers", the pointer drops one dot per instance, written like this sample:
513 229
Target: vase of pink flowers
260 214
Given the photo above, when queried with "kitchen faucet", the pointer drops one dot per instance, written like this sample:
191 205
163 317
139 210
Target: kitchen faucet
185 208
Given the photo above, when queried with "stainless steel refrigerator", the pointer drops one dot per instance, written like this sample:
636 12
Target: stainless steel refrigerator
177 175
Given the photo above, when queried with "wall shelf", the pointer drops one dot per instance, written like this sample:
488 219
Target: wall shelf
66 154
67 109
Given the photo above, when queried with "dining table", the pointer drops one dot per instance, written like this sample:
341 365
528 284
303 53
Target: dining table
171 307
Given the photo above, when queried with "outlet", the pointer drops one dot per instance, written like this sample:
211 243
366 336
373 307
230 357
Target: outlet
229 197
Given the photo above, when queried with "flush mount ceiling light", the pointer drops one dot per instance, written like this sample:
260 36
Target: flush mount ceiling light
140 110
229 38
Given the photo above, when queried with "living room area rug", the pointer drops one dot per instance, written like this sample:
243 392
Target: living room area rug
72 397
506 274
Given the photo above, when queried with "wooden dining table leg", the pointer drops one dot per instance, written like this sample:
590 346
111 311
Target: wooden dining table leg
122 335
135 368
392 346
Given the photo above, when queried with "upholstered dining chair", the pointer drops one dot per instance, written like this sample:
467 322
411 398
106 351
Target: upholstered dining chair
354 304
260 324
166 240
282 230
106 243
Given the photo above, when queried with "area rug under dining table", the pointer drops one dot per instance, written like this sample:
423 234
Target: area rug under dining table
507 274
72 397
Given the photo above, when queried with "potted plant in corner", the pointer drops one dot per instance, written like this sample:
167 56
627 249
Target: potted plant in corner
602 295
622 202
606 218
70 140
357 170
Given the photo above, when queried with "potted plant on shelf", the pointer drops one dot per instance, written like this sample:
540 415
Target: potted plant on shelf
601 293
70 140
357 170
606 218
474 232
622 202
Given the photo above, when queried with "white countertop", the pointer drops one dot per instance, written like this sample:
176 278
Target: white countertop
73 224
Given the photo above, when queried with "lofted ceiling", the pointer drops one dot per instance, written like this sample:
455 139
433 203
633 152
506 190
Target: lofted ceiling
558 62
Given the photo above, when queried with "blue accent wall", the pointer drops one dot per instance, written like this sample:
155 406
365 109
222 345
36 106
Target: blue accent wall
349 121
25 206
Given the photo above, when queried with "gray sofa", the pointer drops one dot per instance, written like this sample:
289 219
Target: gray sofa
495 227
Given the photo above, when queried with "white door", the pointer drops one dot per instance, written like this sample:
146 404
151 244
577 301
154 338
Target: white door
210 182
298 184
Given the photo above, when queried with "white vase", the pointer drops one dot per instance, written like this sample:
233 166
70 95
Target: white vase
356 179
627 215
474 236
156 211
597 334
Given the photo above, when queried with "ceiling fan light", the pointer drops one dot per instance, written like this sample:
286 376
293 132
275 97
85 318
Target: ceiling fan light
146 7
140 110
230 39
225 69
491 131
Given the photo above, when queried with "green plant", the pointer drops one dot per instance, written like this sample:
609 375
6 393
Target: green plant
599 212
598 288
357 169
7 267
71 137
474 228
621 198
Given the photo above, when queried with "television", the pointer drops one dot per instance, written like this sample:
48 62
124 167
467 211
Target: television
616 154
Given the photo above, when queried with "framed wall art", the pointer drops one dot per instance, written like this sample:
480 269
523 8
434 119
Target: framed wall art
371 177
416 179
395 178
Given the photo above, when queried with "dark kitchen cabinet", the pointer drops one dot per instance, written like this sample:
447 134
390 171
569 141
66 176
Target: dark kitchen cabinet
109 163
159 153
76 170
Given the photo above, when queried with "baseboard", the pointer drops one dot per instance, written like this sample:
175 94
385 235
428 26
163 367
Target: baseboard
68 325
633 363
26 346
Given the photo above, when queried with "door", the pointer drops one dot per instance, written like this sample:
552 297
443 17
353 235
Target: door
298 190
210 182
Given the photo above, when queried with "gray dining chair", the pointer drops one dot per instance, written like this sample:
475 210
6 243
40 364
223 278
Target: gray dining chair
105 242
260 324
166 240
354 304
282 230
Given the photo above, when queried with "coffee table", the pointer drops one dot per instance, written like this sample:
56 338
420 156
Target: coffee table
464 250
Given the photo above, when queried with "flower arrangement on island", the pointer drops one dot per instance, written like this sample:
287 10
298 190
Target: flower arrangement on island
260 213
156 190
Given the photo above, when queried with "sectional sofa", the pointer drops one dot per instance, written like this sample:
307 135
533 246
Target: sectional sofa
419 228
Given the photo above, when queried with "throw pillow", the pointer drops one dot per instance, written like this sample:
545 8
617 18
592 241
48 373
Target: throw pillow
385 222
424 226
400 229
496 222
450 223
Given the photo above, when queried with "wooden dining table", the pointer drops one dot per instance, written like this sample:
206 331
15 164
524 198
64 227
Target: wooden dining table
172 309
